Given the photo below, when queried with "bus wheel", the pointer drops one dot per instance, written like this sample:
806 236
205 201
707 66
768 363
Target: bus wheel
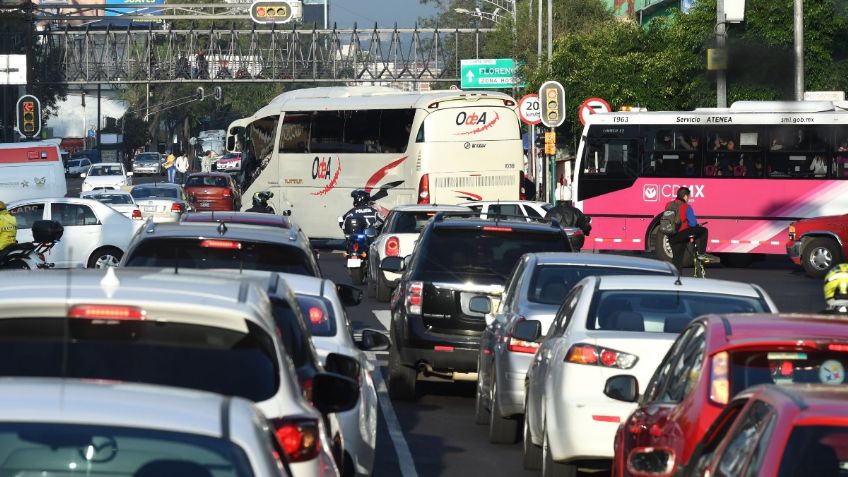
662 248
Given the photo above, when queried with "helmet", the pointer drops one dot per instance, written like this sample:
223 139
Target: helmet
360 197
836 286
260 199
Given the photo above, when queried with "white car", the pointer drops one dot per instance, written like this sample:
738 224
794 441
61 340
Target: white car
119 200
77 167
112 428
524 208
331 333
605 325
108 175
95 235
397 239
162 201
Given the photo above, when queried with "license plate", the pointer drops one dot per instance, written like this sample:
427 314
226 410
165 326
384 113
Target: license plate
353 262
205 204
150 208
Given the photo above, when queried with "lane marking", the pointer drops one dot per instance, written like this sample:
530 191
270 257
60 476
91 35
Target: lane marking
405 462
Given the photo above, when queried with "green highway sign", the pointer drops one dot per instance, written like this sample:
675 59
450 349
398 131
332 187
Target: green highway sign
499 73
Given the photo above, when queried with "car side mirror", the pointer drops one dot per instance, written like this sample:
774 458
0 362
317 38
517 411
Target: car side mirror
622 387
333 392
651 462
373 340
370 232
527 330
83 175
480 304
392 264
349 295
343 365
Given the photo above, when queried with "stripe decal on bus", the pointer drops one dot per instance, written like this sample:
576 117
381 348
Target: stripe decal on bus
715 241
381 173
452 182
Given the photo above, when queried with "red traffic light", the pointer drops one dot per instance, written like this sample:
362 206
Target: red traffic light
29 116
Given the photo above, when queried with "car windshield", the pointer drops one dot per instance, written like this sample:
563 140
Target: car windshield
815 450
115 199
206 181
224 361
550 283
491 252
408 222
231 155
220 254
764 366
105 171
656 311
318 314
147 158
74 163
51 449
155 192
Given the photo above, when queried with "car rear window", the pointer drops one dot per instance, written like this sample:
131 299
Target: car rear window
151 192
206 182
550 283
815 450
71 449
776 366
408 222
215 254
318 314
105 171
147 158
168 353
491 251
113 198
662 311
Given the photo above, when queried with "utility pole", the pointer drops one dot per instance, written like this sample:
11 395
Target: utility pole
539 35
799 50
550 33
721 73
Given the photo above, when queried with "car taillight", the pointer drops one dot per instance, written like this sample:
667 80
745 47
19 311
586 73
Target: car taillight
213 243
107 312
414 298
300 437
136 214
582 353
424 189
355 247
227 193
316 315
175 207
719 378
520 346
392 247
837 347
497 229
791 232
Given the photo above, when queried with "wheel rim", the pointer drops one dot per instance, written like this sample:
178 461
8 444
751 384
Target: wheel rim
105 261
667 246
821 258
492 408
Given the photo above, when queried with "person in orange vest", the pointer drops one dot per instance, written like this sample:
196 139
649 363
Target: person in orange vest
8 227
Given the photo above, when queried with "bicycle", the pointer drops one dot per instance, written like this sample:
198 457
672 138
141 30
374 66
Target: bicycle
698 260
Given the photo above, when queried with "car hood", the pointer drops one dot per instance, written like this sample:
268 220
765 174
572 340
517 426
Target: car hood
105 179
823 220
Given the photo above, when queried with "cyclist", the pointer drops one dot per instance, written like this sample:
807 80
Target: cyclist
836 290
688 228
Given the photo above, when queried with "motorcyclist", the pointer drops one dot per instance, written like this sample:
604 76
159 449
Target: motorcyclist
836 290
8 227
361 208
569 216
260 202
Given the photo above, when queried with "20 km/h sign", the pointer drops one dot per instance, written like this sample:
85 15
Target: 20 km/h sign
530 109
477 74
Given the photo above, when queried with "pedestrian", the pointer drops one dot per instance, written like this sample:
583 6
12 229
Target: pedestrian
569 216
181 165
206 162
563 190
169 167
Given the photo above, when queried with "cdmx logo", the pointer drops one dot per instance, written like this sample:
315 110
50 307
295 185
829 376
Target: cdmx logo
655 192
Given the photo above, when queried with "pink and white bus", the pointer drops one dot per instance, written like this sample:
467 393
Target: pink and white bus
752 168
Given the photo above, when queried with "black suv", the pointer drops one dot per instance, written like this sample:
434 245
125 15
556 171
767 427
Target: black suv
453 279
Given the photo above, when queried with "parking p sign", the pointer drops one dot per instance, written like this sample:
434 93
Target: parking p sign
530 109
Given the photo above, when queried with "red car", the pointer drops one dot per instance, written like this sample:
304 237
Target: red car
771 431
212 191
716 357
818 243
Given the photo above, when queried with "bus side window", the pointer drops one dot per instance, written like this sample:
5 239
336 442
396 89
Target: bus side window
294 137
799 151
840 159
362 131
396 130
613 159
734 151
420 137
327 133
672 152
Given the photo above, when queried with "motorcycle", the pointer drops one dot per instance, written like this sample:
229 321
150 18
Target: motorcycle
29 255
358 238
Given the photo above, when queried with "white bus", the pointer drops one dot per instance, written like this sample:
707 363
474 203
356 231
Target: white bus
312 147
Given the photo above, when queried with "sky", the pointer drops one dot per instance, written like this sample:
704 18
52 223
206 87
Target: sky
385 12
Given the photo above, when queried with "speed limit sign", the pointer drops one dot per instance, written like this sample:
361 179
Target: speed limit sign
530 109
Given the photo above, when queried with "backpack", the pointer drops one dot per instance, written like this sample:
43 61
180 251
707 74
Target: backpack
670 219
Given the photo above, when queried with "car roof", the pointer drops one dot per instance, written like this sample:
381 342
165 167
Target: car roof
242 232
208 174
750 328
167 185
660 283
104 191
102 164
108 403
163 294
463 222
247 218
430 208
58 200
809 398
601 260
510 202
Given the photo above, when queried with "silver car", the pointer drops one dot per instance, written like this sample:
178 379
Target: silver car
52 426
162 201
535 292
170 328
147 163
119 200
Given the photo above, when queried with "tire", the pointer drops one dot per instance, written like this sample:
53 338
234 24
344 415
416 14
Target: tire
355 275
481 414
502 430
663 250
531 453
819 255
402 379
383 292
15 264
550 468
105 257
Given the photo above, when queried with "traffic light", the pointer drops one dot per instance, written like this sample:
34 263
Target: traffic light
274 11
29 116
218 93
198 95
552 95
